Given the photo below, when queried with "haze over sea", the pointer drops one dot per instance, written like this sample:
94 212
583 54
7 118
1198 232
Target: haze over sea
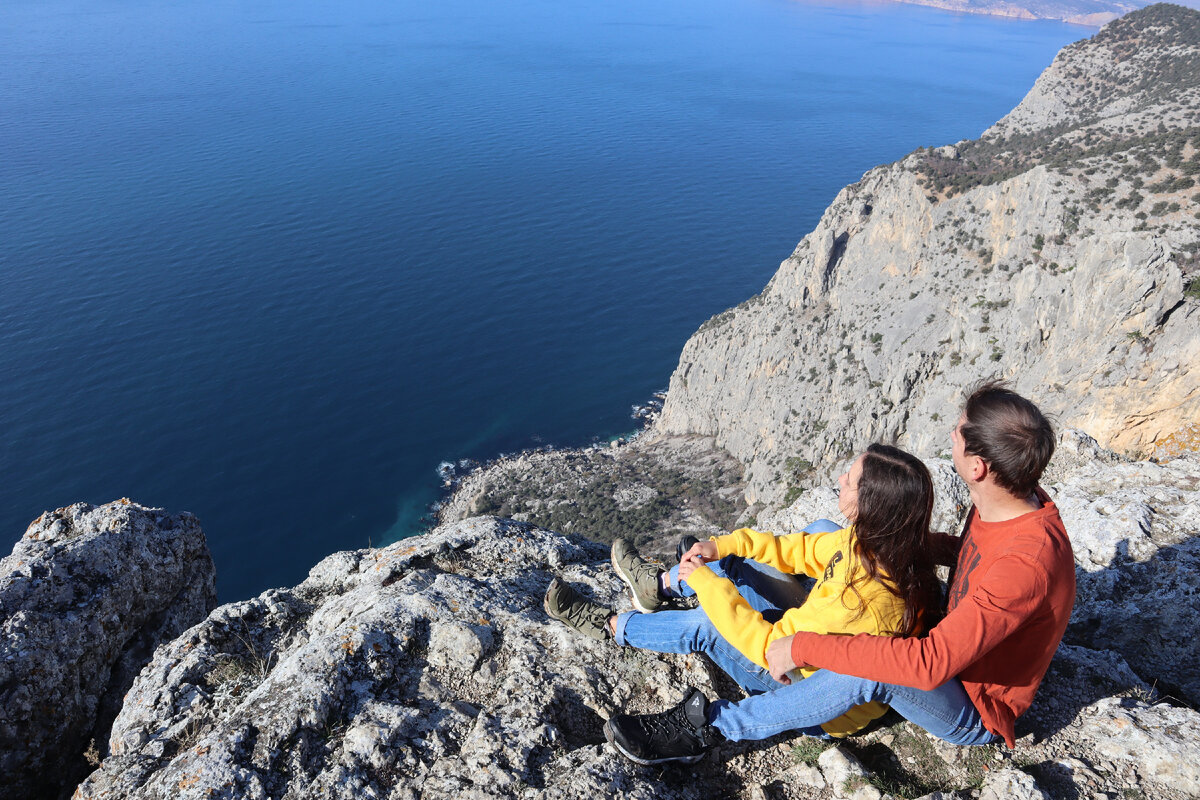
270 262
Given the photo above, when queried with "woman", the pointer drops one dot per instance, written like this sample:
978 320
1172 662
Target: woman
875 576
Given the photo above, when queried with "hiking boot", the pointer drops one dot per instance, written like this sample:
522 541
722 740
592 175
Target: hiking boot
640 575
685 544
679 734
570 608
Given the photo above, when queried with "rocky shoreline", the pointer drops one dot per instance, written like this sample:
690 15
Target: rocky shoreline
648 488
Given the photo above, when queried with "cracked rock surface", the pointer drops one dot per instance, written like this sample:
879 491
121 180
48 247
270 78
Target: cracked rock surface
429 669
85 596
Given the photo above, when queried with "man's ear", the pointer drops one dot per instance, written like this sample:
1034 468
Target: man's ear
977 468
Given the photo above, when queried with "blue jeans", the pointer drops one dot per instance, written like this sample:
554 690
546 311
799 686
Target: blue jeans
772 708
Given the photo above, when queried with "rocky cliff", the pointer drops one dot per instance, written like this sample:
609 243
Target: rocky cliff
85 597
429 669
1058 251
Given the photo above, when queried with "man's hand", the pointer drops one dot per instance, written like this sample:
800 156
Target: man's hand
779 659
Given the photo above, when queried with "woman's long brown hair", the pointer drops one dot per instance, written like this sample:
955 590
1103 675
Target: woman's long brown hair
895 507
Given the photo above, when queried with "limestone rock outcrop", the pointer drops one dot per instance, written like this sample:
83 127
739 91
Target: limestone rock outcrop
1058 251
85 596
429 669
426 668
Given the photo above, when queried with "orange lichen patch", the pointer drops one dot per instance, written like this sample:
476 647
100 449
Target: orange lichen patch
1184 440
188 781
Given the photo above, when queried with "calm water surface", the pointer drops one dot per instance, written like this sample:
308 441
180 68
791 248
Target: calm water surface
271 262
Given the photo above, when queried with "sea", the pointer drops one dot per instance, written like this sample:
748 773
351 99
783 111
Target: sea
274 262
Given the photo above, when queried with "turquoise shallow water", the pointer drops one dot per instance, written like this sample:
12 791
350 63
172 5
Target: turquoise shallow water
271 262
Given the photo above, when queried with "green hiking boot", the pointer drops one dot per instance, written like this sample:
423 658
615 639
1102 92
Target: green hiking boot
640 575
570 608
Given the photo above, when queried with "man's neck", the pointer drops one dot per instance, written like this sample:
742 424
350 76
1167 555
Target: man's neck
998 505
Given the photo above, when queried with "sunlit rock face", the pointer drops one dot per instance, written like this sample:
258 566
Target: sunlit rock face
1059 251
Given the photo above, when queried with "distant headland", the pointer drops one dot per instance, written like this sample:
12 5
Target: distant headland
1093 13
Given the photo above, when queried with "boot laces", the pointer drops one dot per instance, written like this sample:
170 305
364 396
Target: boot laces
579 610
671 724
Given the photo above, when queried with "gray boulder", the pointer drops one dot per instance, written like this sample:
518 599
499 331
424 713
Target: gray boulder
424 668
1133 526
84 598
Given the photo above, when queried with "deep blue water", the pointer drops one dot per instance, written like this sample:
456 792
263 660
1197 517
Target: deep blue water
270 262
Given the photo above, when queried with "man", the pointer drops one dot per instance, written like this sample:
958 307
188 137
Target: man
967 681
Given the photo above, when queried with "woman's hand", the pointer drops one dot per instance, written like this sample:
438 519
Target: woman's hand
706 551
700 553
688 565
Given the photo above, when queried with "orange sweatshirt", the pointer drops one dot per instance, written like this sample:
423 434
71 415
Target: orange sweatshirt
1010 599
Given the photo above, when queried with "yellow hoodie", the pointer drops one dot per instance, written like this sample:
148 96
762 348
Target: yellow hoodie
831 607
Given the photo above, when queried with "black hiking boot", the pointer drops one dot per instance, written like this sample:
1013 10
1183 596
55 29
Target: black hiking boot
685 544
679 734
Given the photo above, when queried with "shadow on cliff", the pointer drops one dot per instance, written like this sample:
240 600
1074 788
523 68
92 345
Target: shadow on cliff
1132 635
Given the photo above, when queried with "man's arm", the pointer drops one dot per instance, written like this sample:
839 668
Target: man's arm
945 547
1010 592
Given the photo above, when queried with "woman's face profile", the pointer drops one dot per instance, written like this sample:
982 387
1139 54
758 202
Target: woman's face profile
848 490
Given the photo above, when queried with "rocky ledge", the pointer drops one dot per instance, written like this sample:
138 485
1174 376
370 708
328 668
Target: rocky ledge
84 598
429 669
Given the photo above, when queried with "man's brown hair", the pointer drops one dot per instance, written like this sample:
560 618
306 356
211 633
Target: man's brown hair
1010 434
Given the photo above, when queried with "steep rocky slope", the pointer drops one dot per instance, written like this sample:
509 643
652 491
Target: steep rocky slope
85 597
429 669
651 492
1058 251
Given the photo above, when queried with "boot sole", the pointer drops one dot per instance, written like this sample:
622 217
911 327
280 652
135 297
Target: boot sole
628 581
546 603
608 734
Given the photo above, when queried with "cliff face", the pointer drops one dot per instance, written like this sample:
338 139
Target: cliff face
1056 251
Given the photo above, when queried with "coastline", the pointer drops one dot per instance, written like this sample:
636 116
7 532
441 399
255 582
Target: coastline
1064 11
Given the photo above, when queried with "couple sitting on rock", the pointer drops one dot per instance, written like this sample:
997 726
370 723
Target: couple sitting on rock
871 633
